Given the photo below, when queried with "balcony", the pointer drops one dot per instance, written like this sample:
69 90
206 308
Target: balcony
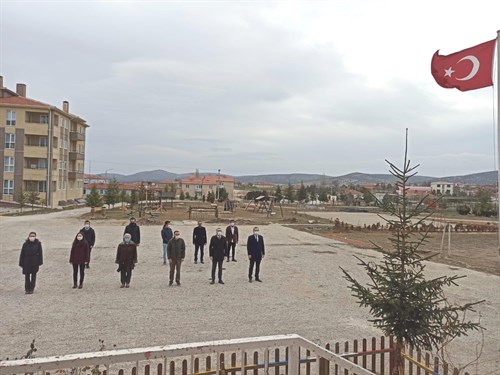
73 175
35 174
76 136
35 152
73 155
36 129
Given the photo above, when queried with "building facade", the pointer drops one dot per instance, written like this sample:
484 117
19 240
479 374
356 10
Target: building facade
442 188
42 149
199 186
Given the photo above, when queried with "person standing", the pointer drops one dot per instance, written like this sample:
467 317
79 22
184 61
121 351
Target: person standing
232 238
256 251
176 252
199 241
217 250
166 235
30 260
79 257
126 258
89 236
134 230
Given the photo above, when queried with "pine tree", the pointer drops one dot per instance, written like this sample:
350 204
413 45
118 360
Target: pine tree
302 194
278 194
112 195
290 194
403 303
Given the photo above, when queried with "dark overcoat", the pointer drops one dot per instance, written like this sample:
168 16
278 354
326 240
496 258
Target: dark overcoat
80 252
126 256
31 257
135 232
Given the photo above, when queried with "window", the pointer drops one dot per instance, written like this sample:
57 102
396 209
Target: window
10 140
11 117
42 186
8 164
42 163
43 142
8 187
44 119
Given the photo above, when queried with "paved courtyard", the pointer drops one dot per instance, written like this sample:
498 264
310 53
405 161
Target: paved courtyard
303 292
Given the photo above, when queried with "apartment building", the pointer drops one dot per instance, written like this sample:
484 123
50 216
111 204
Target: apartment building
199 186
442 187
42 148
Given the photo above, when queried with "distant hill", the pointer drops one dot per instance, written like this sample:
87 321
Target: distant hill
483 178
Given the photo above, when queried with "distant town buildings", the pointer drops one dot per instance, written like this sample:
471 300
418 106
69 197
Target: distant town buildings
43 148
442 188
199 186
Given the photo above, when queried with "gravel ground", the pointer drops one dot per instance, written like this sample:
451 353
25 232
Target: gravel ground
303 292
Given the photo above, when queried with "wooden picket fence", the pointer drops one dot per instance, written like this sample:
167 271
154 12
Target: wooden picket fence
374 355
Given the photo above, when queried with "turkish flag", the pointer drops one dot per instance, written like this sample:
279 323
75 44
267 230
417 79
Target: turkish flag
466 70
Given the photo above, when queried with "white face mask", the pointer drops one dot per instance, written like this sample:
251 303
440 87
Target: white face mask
232 224
32 238
255 232
87 226
79 238
219 234
176 236
126 239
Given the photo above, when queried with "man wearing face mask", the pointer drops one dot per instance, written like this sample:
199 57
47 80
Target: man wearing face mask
256 251
134 230
30 261
217 251
232 238
199 241
176 252
89 236
126 258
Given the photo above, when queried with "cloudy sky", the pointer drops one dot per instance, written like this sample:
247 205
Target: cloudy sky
253 87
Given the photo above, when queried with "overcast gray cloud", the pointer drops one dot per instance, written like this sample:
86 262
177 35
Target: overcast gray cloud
250 88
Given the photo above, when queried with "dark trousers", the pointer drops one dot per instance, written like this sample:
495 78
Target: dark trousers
125 276
90 251
75 272
257 268
200 247
231 245
215 264
29 282
175 266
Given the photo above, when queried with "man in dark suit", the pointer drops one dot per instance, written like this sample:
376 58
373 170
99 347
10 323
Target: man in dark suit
134 230
256 251
199 241
232 238
217 250
89 236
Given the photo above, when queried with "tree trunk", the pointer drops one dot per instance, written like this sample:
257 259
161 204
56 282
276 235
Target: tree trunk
398 368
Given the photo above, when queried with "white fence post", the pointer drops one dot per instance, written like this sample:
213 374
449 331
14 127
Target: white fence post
293 359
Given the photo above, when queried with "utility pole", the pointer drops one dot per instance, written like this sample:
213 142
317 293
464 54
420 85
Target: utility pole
218 182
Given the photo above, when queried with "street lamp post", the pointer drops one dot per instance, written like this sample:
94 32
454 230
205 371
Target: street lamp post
106 173
218 182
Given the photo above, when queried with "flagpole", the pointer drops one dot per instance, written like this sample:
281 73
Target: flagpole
498 136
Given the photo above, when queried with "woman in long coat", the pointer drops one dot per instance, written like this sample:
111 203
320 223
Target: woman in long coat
79 256
30 260
126 258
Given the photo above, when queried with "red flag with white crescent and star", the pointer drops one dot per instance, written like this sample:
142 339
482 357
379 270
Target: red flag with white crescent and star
469 69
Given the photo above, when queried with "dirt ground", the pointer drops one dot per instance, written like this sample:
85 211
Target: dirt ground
474 250
303 291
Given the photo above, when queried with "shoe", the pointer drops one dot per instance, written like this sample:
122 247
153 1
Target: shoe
249 279
170 284
259 280
87 265
122 286
178 283
196 262
164 263
74 286
227 259
221 282
202 262
234 260
80 286
28 292
127 285
212 282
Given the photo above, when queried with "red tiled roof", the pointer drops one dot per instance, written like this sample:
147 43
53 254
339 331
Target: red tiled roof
19 100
